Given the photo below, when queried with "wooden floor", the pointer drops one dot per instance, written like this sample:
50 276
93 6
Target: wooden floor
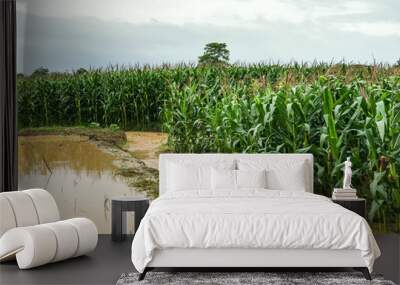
110 260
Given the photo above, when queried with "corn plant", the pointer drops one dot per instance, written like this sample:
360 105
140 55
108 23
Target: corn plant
330 118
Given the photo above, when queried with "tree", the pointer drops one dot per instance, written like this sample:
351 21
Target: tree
41 71
81 71
215 54
397 64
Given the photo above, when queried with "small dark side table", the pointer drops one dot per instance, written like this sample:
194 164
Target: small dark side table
119 205
357 205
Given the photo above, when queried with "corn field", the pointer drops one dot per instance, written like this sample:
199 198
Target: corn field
332 111
128 98
133 97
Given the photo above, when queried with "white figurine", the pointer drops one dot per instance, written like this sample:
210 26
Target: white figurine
347 174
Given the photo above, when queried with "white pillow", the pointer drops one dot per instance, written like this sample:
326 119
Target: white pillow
188 177
223 179
280 174
226 179
251 178
293 180
188 174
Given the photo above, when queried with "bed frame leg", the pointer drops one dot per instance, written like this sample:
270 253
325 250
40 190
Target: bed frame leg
364 271
143 274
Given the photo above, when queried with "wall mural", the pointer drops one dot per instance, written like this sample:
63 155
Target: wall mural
105 86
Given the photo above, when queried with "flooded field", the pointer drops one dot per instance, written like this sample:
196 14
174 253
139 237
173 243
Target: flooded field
80 175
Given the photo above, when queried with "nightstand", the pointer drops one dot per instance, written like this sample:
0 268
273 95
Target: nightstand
357 205
119 205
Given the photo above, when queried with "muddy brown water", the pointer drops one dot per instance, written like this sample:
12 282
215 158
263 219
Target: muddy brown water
78 174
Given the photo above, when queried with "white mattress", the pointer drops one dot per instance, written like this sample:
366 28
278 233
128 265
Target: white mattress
252 219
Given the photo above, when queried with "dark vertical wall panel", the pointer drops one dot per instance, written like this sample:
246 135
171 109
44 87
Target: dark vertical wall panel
8 114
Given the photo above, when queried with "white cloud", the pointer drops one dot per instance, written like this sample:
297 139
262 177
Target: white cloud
209 12
66 34
375 29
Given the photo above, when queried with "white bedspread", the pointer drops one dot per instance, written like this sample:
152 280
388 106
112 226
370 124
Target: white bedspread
250 219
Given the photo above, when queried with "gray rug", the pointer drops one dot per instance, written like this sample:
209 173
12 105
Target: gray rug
236 278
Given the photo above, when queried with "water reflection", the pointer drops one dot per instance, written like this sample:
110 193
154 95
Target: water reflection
76 172
39 154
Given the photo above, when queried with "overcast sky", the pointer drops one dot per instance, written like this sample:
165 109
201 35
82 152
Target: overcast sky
68 34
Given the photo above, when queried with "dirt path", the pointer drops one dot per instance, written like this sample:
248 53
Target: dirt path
146 146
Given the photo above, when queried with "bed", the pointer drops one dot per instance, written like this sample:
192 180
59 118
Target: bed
245 211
